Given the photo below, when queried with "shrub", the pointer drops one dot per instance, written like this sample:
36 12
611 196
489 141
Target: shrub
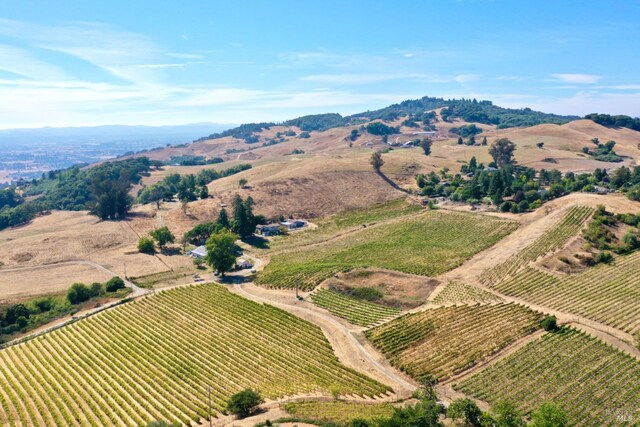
244 403
114 284
96 289
549 323
604 257
21 322
366 293
146 246
78 292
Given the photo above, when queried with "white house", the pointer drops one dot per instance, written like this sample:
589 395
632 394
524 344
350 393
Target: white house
199 252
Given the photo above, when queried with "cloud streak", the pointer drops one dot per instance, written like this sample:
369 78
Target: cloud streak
577 78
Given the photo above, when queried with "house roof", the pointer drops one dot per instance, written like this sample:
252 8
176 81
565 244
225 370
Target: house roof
200 251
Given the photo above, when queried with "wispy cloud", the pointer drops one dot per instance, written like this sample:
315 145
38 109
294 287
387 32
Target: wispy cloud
25 64
577 78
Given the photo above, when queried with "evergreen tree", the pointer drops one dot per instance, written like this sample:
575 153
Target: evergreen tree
244 222
223 219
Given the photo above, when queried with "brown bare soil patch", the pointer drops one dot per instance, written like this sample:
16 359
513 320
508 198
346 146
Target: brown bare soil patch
400 290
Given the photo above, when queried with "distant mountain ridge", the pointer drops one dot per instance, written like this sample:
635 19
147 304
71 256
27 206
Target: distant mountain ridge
470 110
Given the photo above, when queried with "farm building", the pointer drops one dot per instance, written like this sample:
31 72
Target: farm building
243 263
268 229
294 224
199 252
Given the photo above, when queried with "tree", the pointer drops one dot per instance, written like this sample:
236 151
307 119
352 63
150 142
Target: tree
244 403
244 222
114 284
204 192
549 323
425 413
502 152
505 414
466 410
221 251
376 161
549 415
223 219
484 140
78 292
460 140
96 289
425 144
242 182
162 236
540 145
146 246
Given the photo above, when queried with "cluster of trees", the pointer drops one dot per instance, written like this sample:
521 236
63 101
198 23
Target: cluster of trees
317 122
244 131
191 160
30 314
379 128
102 189
466 131
471 141
487 113
10 198
600 233
469 110
427 412
79 292
161 236
603 152
186 187
620 121
523 187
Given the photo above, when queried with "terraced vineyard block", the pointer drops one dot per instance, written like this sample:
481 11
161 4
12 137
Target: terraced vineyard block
606 293
554 238
154 359
427 244
459 292
594 382
444 341
356 311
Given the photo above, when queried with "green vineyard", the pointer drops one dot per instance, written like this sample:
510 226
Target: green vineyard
356 311
426 244
339 412
606 293
444 341
554 238
596 384
459 292
343 221
157 357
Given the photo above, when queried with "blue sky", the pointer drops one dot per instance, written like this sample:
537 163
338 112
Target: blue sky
75 63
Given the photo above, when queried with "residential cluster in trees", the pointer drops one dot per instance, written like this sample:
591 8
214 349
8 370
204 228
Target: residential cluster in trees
518 189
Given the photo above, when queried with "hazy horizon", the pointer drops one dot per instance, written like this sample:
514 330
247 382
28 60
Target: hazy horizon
67 64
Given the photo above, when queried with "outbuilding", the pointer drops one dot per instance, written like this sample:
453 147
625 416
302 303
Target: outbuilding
199 252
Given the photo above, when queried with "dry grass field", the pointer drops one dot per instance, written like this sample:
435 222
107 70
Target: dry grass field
25 283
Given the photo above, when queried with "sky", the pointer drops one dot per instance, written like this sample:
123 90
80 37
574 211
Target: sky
85 63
